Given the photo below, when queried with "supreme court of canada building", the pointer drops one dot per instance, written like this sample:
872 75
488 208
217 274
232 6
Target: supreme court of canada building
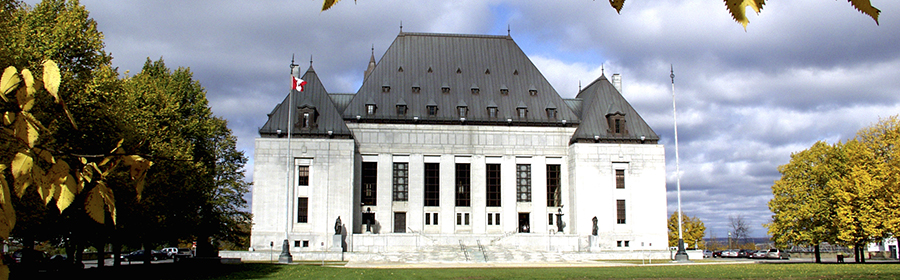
457 139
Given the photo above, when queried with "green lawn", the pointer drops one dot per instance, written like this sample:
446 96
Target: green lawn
736 271
310 271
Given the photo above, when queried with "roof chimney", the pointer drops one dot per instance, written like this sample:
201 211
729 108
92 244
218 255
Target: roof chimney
617 82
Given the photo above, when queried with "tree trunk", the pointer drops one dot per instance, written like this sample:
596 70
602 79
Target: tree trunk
101 253
148 253
862 253
856 253
818 256
116 251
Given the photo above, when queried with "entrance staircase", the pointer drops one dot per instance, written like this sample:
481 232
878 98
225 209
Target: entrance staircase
462 253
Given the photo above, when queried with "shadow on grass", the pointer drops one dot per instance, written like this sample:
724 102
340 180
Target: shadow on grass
159 271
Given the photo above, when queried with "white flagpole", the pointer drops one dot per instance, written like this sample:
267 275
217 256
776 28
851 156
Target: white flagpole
681 255
285 256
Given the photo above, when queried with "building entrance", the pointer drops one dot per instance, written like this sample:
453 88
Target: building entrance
399 222
524 222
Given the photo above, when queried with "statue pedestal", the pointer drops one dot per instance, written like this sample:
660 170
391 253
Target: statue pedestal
337 243
595 243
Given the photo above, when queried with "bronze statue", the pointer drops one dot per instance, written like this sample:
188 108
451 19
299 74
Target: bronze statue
594 231
337 226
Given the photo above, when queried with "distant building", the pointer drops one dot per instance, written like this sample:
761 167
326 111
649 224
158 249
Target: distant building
458 139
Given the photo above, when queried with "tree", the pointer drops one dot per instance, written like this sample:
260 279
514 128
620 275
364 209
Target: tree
867 197
740 229
693 231
198 183
737 8
159 114
846 193
803 203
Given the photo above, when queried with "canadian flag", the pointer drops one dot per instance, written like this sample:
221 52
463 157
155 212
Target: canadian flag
297 83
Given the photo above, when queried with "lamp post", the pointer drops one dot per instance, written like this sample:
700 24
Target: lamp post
681 255
729 240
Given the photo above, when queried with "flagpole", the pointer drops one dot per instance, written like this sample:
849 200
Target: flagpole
285 256
681 255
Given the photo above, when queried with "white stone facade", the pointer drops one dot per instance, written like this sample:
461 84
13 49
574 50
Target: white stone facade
587 179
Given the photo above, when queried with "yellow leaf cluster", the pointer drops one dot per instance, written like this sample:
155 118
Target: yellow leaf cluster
737 8
59 182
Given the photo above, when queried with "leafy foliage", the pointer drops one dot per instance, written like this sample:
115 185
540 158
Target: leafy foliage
693 231
59 182
843 193
97 174
803 202
737 8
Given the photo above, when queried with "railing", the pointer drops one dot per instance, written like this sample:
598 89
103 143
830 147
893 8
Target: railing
421 234
505 235
483 252
463 248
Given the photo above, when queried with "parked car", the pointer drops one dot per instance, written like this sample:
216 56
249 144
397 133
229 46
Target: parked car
761 254
744 253
730 253
169 251
29 256
139 255
707 254
717 254
777 254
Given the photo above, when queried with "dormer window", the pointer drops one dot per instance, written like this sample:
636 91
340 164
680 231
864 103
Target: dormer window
386 88
504 90
617 124
492 112
532 91
445 89
416 89
463 110
401 110
475 90
370 109
307 117
551 113
306 120
522 110
432 110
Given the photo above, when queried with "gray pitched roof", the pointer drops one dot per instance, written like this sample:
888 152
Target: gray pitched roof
600 99
315 96
474 67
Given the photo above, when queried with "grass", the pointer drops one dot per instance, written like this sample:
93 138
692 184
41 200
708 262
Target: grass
310 271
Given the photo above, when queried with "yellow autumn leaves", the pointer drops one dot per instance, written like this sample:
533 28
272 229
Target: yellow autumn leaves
44 170
846 193
737 8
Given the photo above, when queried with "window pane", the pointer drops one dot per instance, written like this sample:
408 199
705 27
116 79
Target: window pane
302 210
523 183
432 184
493 185
400 181
463 185
554 198
303 175
369 182
620 179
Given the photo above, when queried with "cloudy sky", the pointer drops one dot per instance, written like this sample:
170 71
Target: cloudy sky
803 71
